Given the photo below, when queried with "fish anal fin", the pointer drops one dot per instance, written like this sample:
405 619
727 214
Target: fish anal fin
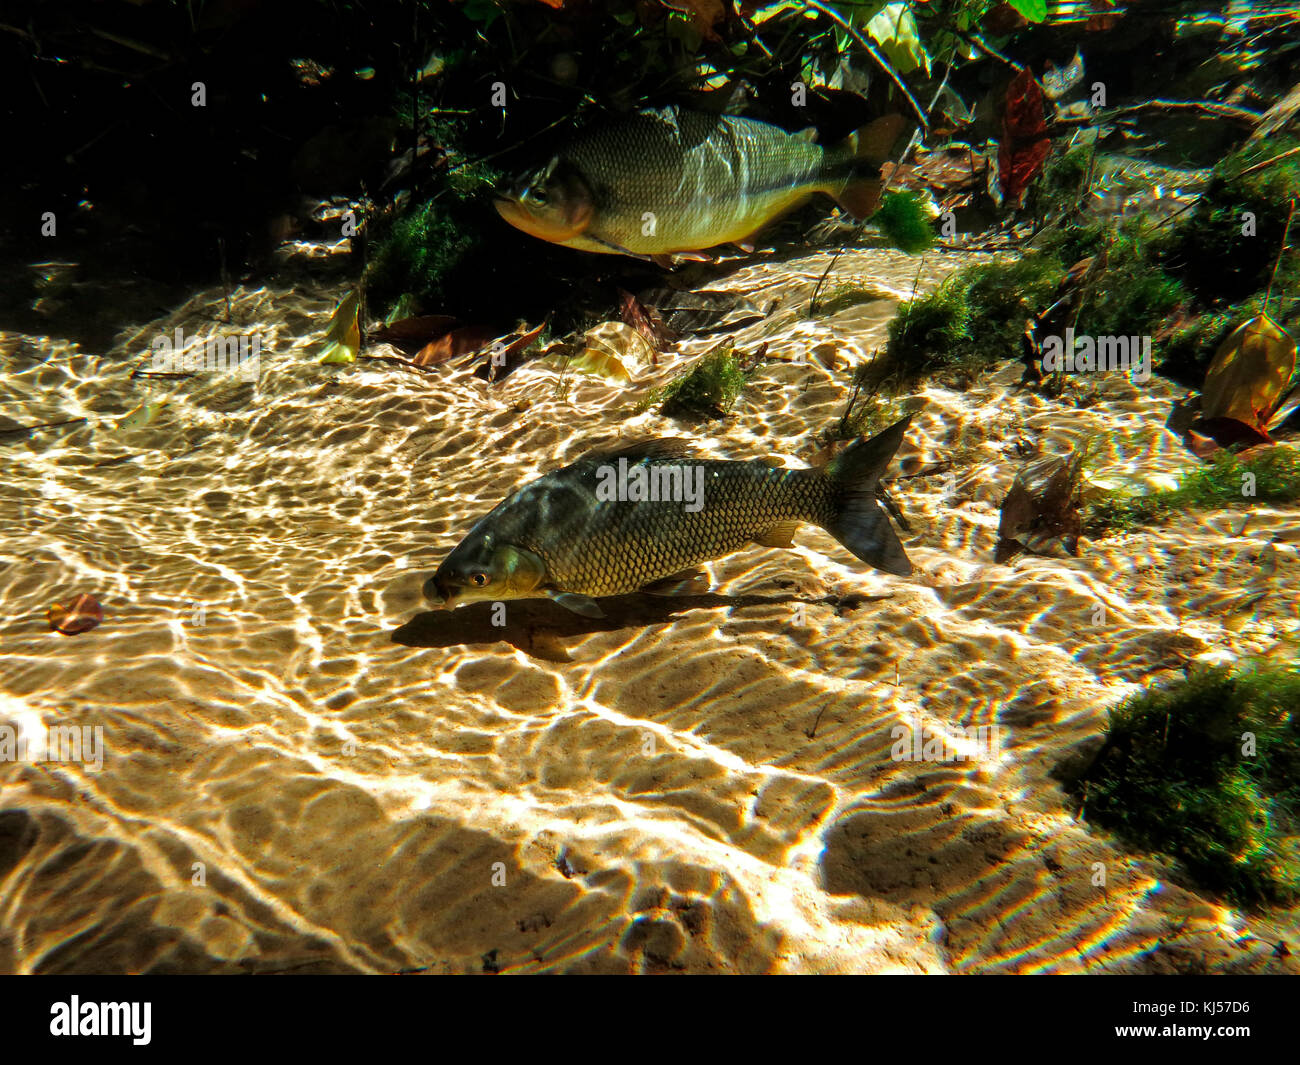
781 535
579 604
687 582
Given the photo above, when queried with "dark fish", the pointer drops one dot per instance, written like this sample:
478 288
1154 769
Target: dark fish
633 518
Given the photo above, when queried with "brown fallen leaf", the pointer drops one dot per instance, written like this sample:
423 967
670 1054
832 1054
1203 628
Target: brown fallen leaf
505 353
1249 374
646 322
450 345
1041 512
79 614
1025 141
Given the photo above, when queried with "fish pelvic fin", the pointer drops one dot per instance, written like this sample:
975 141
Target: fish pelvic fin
868 148
860 523
579 604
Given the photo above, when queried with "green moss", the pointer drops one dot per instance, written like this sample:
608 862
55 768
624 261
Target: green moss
1220 483
419 251
1208 250
973 318
1177 775
905 222
842 297
708 389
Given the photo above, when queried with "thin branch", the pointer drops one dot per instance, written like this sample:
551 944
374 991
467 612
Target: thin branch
875 54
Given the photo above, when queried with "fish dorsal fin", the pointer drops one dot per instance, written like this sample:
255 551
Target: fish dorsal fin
809 135
649 448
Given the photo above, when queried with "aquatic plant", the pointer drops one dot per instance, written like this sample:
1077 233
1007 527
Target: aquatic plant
708 389
1220 483
1226 247
905 222
866 412
974 317
1207 770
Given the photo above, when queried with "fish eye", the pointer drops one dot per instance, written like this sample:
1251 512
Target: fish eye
478 579
533 194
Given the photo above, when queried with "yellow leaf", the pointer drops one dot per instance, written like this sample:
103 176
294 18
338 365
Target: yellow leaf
612 350
1249 373
343 338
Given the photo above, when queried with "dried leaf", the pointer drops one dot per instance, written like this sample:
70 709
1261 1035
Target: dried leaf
1249 374
415 332
1041 512
646 322
506 353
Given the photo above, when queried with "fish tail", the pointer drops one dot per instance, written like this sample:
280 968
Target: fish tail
866 150
859 522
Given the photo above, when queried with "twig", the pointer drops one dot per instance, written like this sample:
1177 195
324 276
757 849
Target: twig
1239 114
875 54
1268 162
1280 252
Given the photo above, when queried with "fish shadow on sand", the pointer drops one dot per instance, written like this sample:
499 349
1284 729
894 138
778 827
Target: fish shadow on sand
538 627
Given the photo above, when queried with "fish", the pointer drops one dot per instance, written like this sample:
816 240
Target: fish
638 516
666 181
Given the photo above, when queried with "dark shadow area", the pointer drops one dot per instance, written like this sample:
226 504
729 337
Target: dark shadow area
533 624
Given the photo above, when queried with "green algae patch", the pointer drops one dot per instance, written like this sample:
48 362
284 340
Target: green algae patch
709 389
905 222
1269 476
974 317
1207 770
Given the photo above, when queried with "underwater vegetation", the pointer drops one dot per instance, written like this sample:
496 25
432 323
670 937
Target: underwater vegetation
1220 483
708 389
1207 770
1187 282
974 317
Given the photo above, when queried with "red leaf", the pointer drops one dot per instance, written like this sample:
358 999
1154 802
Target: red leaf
1025 141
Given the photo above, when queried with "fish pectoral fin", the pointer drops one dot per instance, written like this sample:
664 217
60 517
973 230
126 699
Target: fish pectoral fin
579 604
781 535
688 582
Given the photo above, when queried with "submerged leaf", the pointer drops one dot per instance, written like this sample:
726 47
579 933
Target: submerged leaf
612 350
450 345
1041 512
79 614
1250 373
343 338
415 332
1025 142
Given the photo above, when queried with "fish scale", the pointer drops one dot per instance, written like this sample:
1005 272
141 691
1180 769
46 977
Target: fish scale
612 547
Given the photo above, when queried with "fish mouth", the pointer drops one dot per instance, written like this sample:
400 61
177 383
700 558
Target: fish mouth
437 593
